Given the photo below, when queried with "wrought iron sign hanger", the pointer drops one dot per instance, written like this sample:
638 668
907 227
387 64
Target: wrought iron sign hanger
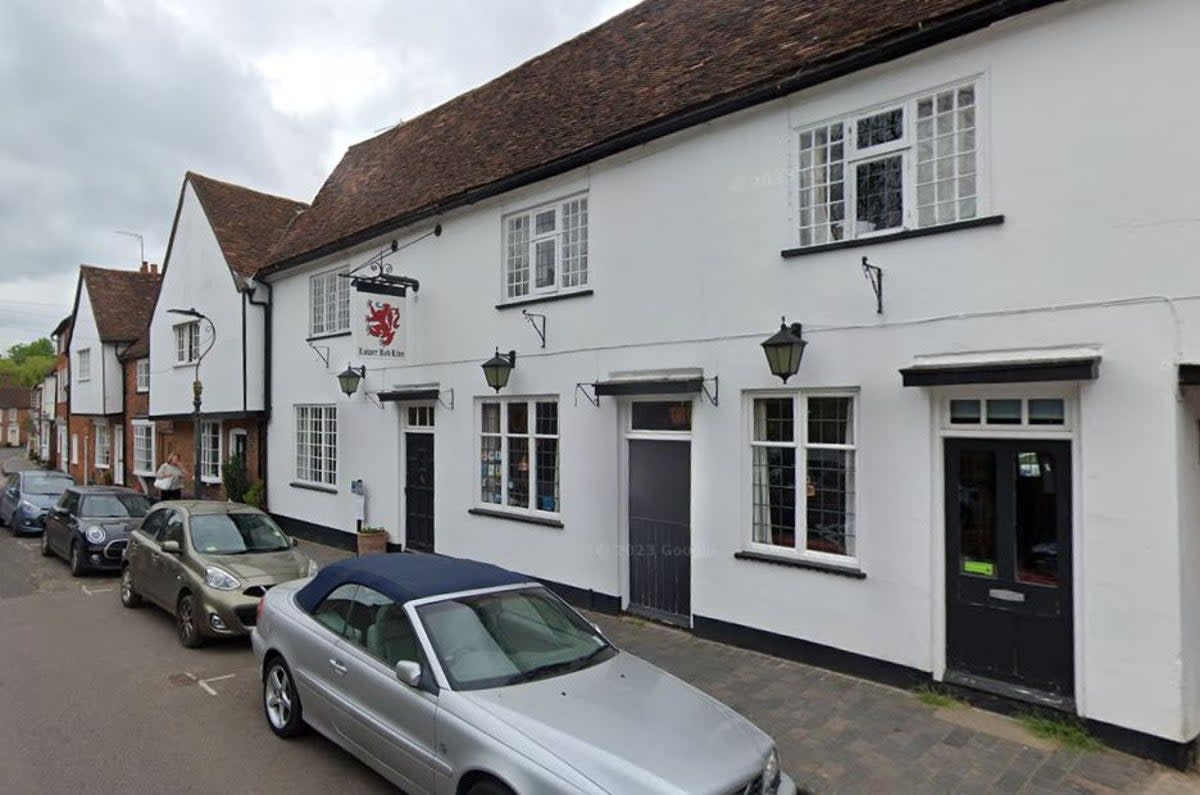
379 277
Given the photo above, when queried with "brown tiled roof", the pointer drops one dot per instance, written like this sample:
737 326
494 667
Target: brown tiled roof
122 301
14 397
247 223
139 349
657 67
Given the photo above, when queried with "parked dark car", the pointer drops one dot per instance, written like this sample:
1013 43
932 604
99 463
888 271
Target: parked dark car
89 526
27 496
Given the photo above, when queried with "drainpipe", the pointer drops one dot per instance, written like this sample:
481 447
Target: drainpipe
268 319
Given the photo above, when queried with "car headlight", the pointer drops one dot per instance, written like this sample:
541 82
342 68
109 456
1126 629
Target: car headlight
220 579
313 568
28 507
95 534
771 774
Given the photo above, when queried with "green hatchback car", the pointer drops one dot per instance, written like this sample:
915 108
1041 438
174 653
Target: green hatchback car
209 564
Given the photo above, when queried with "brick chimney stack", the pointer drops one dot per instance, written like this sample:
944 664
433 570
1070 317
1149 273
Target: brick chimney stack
149 268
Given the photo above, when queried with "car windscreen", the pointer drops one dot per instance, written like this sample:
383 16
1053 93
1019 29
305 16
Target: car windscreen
114 506
237 533
510 637
38 483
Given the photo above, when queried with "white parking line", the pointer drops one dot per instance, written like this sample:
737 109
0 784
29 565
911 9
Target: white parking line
93 592
204 682
28 546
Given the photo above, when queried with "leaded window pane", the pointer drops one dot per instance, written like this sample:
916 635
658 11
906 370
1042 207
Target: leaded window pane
830 501
880 197
830 420
881 128
774 485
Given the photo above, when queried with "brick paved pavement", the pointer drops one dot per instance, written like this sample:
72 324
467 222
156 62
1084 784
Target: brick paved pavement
838 734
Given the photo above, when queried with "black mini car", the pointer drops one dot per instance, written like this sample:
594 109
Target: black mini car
89 526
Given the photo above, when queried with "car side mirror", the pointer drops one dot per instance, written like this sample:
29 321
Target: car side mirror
408 672
295 541
172 547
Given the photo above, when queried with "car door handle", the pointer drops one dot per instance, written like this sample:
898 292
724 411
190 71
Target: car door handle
338 666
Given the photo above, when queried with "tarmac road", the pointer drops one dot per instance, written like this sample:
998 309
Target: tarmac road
95 698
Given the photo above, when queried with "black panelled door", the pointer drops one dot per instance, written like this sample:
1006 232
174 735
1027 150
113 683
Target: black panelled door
660 535
1008 562
418 491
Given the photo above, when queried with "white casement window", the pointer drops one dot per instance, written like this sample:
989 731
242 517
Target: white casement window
210 452
143 375
803 453
61 383
85 365
316 444
518 454
143 448
546 249
904 165
329 303
187 342
74 448
103 447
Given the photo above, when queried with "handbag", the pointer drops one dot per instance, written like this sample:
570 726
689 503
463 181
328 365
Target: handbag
163 484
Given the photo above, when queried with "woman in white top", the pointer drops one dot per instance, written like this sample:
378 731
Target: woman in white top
169 478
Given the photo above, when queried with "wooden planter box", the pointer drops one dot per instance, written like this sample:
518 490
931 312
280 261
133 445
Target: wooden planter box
372 543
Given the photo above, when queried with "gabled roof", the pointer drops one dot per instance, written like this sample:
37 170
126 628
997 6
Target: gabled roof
140 349
247 223
660 67
122 301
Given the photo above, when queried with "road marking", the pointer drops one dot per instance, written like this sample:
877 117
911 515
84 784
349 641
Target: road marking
204 682
29 546
90 592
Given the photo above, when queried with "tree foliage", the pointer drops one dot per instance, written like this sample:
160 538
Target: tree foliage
27 363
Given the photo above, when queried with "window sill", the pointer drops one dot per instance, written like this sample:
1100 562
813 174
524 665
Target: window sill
542 299
801 563
515 517
904 234
145 391
210 481
328 336
296 484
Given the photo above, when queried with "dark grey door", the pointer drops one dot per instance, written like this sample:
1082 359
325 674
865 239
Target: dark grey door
1008 563
418 491
660 536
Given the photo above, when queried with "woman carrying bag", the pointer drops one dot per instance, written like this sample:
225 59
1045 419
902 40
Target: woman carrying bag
169 479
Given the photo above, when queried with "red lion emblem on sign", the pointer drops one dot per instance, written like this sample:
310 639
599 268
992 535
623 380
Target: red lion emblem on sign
382 322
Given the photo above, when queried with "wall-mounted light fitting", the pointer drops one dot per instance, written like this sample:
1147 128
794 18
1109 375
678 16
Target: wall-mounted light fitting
497 369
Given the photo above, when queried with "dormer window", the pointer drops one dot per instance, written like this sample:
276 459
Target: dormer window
546 249
903 165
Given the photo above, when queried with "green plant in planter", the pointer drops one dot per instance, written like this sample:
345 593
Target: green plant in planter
235 478
256 495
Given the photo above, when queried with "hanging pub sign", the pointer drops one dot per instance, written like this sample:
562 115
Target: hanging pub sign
378 315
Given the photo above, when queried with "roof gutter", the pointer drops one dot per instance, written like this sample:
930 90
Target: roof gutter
899 46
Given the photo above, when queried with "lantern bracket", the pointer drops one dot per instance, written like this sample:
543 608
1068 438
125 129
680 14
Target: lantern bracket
591 397
874 275
373 398
715 394
538 322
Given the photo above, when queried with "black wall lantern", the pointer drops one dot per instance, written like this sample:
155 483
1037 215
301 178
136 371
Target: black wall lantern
349 378
497 369
784 349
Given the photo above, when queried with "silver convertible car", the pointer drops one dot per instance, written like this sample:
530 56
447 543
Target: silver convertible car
456 677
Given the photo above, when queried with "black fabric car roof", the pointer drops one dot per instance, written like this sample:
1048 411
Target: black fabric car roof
408 576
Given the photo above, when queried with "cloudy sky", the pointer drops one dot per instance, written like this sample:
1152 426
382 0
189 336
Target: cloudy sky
109 102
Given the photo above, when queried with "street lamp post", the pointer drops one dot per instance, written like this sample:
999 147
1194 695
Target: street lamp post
197 391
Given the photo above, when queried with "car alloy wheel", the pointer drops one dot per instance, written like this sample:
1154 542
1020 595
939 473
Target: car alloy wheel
189 634
76 560
280 701
129 597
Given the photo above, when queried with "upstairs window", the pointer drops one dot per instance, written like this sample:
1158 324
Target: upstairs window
187 342
546 249
85 364
329 304
904 165
143 375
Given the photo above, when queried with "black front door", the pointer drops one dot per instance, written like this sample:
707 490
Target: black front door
660 534
418 491
1008 565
